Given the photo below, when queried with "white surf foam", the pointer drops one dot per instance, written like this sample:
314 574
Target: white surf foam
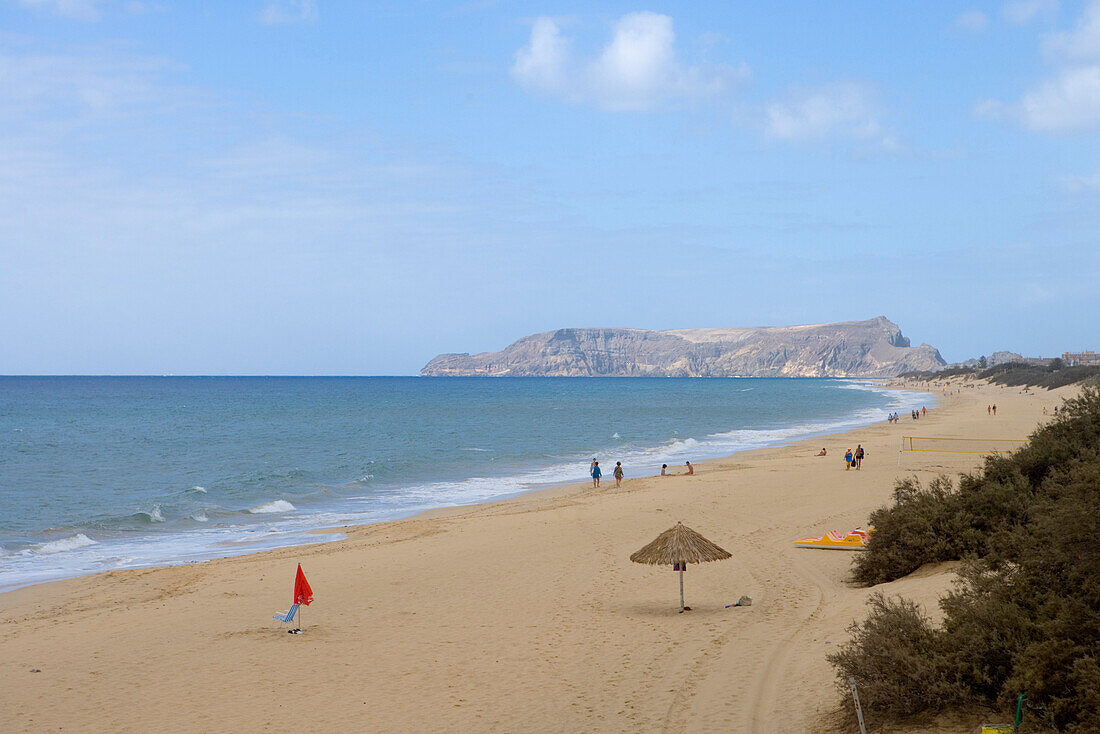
273 507
80 540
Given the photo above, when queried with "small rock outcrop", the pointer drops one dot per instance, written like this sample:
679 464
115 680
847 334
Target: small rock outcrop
873 348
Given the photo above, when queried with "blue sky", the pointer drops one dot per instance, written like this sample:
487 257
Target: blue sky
323 187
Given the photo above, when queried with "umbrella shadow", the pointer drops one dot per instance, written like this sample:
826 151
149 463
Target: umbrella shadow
664 609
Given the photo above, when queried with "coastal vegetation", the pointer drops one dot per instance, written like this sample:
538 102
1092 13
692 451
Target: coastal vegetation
1025 615
1015 374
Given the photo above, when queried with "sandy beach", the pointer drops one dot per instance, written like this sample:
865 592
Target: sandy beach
520 615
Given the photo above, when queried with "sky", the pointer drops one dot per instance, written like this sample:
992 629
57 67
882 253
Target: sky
350 188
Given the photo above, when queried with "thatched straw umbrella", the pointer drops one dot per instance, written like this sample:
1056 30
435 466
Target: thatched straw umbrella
679 546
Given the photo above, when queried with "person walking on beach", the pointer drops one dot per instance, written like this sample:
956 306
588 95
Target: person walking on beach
994 409
848 460
596 474
618 474
988 410
859 456
691 469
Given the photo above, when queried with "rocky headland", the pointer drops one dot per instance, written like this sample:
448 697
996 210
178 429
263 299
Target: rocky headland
872 348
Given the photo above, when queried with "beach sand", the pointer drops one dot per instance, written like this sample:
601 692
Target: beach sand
524 615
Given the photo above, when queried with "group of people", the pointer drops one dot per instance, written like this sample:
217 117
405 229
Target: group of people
596 472
666 473
853 459
914 414
991 409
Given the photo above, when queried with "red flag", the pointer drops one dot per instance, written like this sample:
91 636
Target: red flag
302 593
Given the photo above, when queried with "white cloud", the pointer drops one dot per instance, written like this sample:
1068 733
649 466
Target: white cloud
1083 42
541 64
1070 101
637 70
75 9
1022 12
990 109
1077 183
140 7
282 12
972 20
76 90
840 109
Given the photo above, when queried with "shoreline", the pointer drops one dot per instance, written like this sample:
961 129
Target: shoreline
295 537
532 597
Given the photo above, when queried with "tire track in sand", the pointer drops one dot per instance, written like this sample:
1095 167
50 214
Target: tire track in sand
769 688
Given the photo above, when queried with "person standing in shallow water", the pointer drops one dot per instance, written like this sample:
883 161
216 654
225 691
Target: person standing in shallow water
596 474
618 473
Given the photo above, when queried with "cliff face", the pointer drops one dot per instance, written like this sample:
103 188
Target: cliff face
874 348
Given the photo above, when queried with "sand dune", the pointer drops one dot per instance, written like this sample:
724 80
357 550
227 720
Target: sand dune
523 615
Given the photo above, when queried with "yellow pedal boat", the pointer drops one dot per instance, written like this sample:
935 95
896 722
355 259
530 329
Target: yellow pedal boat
832 540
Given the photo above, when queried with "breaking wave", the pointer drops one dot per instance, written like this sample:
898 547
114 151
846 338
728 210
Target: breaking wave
80 540
273 507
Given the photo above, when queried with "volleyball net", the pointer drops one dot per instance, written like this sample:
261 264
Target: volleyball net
956 445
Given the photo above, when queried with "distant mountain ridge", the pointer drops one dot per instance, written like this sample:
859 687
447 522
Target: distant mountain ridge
872 348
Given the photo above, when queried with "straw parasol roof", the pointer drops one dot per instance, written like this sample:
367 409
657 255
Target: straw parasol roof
679 544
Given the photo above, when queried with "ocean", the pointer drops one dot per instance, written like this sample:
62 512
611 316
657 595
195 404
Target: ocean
102 473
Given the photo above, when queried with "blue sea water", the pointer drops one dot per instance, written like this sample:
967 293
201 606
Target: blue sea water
100 473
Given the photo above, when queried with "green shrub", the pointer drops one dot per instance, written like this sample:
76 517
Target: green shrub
894 656
1016 374
1026 616
1051 377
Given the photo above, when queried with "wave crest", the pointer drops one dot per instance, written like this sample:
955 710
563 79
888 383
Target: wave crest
270 507
80 540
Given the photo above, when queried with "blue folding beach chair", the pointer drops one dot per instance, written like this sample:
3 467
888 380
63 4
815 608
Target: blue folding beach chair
288 616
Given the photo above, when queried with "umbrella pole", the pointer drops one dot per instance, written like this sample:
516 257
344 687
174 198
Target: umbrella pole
681 588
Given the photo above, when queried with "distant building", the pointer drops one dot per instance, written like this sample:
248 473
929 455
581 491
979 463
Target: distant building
1087 358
